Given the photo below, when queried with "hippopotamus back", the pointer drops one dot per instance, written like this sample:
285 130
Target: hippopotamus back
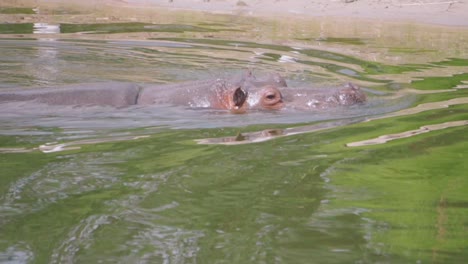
193 93
106 94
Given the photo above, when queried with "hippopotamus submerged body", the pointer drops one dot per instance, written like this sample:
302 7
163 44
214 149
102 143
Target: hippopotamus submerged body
237 96
106 94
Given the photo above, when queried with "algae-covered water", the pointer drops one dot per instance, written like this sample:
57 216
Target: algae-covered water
383 182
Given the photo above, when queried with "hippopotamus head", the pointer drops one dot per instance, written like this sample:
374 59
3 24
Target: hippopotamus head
248 93
240 99
269 97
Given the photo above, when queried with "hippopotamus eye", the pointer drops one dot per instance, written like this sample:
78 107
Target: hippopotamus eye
271 98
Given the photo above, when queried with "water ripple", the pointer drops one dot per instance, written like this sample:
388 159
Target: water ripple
73 174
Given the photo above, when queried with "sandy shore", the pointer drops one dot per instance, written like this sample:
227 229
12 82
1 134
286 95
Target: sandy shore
440 12
437 12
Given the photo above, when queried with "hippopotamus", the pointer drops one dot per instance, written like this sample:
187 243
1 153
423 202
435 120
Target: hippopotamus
237 96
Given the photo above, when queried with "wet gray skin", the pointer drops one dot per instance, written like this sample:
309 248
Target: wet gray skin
106 94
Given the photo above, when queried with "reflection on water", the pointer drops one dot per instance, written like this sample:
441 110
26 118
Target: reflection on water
127 185
45 28
269 134
47 62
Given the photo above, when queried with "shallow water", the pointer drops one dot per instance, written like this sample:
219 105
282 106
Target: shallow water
128 185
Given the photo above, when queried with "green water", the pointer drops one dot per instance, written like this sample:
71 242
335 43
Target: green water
305 198
300 199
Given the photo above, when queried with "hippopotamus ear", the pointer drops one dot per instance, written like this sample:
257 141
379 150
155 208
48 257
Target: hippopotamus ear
239 97
352 86
279 80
